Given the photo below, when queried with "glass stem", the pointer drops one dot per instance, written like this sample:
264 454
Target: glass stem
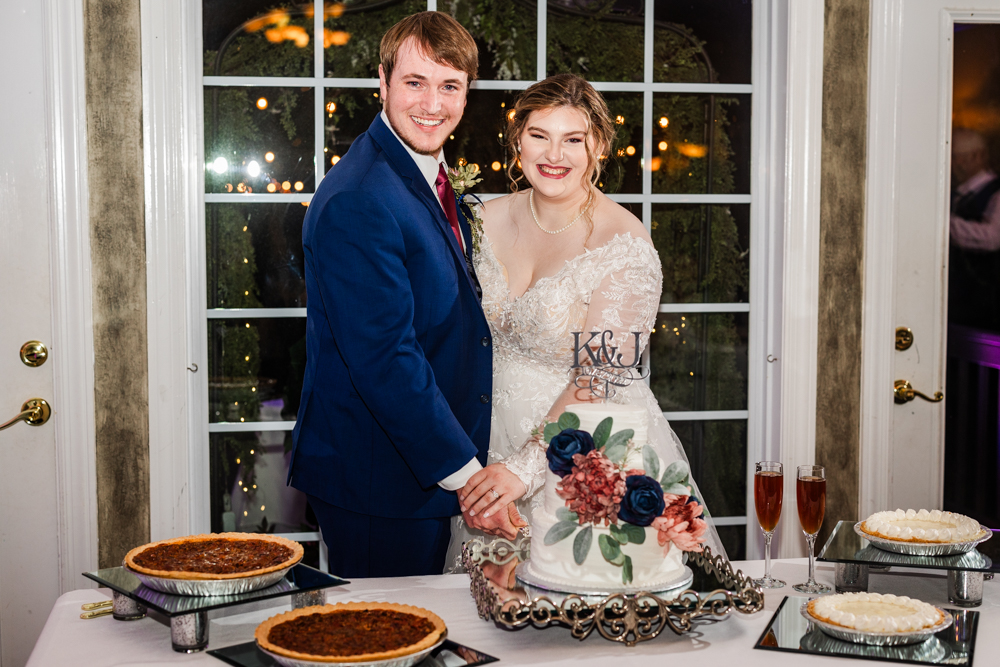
767 554
811 541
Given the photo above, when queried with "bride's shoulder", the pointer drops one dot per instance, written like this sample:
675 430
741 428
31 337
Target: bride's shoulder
496 213
613 220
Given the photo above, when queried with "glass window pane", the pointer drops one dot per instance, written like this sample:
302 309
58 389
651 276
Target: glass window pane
704 252
718 453
255 38
248 489
734 539
698 361
259 140
505 33
682 132
255 255
623 169
349 113
255 368
600 41
692 36
353 32
478 139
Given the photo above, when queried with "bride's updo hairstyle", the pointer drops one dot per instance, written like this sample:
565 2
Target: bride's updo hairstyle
563 90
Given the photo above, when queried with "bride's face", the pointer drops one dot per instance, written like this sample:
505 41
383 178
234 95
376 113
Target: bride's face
554 151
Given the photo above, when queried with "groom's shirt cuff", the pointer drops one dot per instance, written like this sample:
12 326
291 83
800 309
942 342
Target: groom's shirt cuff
457 479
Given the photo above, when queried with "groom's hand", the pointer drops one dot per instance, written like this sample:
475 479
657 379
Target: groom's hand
500 522
487 501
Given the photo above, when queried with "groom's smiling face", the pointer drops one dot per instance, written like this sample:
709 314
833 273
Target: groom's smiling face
424 100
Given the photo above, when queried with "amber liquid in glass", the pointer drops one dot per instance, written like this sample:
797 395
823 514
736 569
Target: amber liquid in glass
810 494
767 494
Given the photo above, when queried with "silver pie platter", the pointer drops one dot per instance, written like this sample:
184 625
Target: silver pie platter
211 587
932 650
877 638
402 661
924 549
526 575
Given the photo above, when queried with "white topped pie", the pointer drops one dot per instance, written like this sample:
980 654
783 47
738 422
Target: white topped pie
873 612
933 527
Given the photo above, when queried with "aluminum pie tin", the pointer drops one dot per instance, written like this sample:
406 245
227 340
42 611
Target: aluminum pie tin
932 650
877 638
211 587
402 661
915 549
525 574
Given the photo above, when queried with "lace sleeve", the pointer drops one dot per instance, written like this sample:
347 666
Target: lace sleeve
528 463
627 298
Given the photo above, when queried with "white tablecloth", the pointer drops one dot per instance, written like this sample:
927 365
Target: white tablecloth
69 640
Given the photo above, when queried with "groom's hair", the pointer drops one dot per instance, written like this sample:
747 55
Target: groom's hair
442 39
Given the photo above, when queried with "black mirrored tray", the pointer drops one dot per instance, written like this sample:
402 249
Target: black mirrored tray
790 631
854 556
448 654
189 614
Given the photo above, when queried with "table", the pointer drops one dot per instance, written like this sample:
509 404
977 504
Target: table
69 640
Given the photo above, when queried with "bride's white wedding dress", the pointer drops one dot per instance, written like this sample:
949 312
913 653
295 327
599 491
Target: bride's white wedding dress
613 288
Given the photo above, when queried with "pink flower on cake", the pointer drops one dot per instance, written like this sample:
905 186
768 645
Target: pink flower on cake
593 489
679 524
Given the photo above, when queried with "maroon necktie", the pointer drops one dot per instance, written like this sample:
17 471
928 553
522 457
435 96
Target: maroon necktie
447 197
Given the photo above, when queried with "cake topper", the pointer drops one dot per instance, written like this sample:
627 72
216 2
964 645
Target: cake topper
603 369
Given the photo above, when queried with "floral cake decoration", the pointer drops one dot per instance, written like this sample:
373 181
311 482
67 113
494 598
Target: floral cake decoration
600 491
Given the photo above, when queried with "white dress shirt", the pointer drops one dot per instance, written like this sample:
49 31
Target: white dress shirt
428 166
972 235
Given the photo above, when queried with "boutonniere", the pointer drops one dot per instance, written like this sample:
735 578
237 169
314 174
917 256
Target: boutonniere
463 178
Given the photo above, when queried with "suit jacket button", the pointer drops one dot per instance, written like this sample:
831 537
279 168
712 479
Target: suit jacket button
485 341
484 399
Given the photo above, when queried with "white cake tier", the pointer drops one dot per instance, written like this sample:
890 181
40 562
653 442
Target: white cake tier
652 565
923 526
622 416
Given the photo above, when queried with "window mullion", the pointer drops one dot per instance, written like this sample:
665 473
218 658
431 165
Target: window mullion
319 102
541 45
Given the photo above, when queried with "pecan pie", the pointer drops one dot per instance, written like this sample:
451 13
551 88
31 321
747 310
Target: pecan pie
214 556
351 632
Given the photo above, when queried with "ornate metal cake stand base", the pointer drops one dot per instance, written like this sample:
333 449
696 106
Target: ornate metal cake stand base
965 587
624 618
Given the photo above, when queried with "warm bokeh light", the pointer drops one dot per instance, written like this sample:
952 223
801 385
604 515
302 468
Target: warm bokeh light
298 186
655 164
620 120
286 185
220 165
630 150
269 156
290 33
253 169
271 187
511 114
331 106
241 187
229 187
621 152
335 38
261 103
692 150
462 162
277 17
662 145
496 166
334 10
335 159
664 121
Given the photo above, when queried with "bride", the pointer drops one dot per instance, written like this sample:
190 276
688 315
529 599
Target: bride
555 257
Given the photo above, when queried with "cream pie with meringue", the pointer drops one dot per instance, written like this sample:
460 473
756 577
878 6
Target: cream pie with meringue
922 527
873 612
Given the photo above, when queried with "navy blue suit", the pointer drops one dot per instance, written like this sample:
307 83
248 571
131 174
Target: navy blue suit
398 379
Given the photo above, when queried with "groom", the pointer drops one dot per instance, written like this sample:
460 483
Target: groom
395 411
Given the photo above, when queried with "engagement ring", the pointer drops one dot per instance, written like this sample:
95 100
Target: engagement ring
495 494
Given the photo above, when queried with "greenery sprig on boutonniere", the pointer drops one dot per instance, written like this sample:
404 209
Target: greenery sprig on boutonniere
462 178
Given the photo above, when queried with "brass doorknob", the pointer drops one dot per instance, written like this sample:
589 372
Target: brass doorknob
903 392
34 353
35 412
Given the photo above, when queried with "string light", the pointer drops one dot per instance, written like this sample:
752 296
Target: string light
620 120
331 106
271 187
495 166
664 121
630 150
662 145
262 103
269 156
335 159
298 186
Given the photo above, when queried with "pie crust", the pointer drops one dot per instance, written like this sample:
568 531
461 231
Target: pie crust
436 635
295 557
922 527
872 612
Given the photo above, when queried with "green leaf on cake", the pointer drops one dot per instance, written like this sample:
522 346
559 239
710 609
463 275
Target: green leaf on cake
636 534
627 571
611 550
617 445
568 420
564 514
602 432
551 431
619 533
650 462
676 473
581 544
676 489
559 532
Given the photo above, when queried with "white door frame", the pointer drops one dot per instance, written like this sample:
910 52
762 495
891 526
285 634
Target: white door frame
786 200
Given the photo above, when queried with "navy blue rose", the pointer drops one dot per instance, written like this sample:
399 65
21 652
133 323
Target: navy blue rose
563 446
643 501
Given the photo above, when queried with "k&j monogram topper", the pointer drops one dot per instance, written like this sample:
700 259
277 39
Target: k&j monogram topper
603 368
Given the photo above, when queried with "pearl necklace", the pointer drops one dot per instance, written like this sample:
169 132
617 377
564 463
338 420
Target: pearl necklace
531 204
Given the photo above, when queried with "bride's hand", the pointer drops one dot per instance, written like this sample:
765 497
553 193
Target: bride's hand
493 486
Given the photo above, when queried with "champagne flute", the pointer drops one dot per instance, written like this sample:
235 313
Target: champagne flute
810 495
768 481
